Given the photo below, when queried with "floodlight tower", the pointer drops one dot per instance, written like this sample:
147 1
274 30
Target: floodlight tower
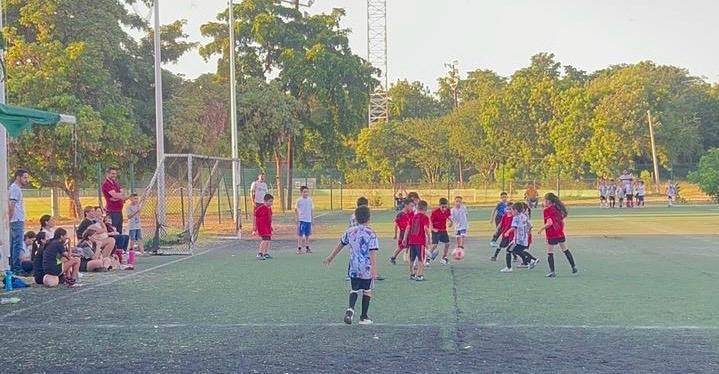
377 56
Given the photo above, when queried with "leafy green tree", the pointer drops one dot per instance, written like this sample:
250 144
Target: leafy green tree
707 174
412 100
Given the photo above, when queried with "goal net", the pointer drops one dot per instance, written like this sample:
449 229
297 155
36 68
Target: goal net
189 200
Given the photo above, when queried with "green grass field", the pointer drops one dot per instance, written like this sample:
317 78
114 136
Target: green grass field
645 300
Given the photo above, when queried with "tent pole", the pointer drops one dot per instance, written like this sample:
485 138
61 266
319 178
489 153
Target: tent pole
4 219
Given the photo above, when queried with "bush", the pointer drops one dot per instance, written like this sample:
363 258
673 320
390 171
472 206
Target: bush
646 177
707 174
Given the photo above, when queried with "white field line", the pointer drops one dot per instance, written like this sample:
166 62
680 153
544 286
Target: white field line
101 284
110 326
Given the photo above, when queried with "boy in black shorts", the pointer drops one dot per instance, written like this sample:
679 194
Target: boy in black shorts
439 218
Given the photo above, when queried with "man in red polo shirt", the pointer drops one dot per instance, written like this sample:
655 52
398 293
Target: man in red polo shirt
114 197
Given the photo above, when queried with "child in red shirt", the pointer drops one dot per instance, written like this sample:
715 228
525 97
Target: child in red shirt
263 227
416 237
401 222
504 225
554 214
439 219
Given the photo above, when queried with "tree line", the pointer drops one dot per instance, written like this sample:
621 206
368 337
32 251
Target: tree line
302 100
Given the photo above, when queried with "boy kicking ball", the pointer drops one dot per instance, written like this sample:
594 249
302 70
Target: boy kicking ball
363 263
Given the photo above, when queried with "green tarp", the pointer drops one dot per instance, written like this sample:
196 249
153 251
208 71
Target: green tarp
17 119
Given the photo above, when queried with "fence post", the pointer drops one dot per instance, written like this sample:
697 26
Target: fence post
331 185
503 180
99 183
131 172
341 202
191 207
559 171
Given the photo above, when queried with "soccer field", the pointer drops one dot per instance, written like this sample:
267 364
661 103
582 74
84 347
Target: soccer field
645 300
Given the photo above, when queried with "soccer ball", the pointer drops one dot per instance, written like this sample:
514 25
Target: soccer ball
458 254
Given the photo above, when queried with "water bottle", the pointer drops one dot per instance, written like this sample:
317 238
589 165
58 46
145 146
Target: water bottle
8 280
131 257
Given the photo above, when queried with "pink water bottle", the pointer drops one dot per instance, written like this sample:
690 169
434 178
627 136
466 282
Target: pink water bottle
131 257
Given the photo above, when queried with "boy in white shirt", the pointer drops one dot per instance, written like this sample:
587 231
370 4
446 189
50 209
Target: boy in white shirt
303 214
458 216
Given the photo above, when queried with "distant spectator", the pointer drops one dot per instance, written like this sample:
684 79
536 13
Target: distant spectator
134 225
47 225
88 213
38 247
121 240
57 263
114 197
531 195
16 213
97 232
26 257
258 190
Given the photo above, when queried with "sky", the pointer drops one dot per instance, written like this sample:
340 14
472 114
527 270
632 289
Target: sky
424 35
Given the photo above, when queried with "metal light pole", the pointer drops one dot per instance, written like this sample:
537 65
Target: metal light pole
378 110
159 125
4 219
233 120
654 151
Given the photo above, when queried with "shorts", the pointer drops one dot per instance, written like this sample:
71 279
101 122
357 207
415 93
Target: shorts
517 248
304 229
630 196
440 237
640 198
400 240
361 284
54 270
83 264
135 234
266 238
602 198
416 251
612 198
461 232
504 243
670 197
555 241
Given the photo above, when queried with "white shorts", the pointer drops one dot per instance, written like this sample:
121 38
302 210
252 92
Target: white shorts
461 233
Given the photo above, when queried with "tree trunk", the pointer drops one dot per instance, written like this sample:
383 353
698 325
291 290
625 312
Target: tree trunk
278 179
290 161
73 193
461 173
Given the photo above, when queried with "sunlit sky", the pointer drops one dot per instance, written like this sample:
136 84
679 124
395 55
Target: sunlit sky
502 35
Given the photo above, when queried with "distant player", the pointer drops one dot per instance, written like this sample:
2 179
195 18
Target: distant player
361 201
439 218
671 192
364 245
263 227
521 227
458 215
612 193
416 238
401 222
640 191
303 216
603 192
503 227
554 214
414 196
620 195
629 195
626 180
497 215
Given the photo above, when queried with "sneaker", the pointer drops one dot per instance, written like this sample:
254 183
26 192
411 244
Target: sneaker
268 256
574 270
493 259
365 321
506 270
420 278
349 313
427 262
552 274
412 277
492 243
533 263
260 256
445 260
308 251
299 251
515 259
347 278
393 261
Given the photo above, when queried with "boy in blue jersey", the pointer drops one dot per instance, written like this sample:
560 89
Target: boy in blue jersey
364 245
497 215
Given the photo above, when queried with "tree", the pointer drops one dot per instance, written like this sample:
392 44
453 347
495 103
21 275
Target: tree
707 174
412 100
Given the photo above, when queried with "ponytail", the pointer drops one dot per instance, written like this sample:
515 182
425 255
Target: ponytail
554 199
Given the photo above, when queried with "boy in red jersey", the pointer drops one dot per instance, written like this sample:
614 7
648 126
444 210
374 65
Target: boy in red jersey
439 218
554 214
401 222
263 227
416 237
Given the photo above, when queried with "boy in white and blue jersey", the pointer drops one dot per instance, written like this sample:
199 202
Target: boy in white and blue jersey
603 192
303 215
459 219
364 245
671 193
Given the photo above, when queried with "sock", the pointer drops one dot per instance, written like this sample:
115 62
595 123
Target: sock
570 258
365 306
550 260
496 252
508 257
353 299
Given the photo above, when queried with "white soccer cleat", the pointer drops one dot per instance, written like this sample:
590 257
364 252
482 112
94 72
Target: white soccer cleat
365 321
533 263
506 270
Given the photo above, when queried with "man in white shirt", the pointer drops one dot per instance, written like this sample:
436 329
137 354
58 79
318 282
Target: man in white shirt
303 214
16 213
258 190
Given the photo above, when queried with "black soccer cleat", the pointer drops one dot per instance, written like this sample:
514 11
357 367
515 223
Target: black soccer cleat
349 313
574 270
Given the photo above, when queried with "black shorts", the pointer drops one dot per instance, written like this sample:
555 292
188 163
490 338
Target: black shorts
602 198
504 243
440 237
518 248
555 241
54 270
267 238
83 264
612 198
361 284
416 251
629 196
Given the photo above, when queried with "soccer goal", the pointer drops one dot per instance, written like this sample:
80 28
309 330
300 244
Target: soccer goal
189 200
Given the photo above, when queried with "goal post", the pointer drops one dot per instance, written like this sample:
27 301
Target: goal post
194 205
